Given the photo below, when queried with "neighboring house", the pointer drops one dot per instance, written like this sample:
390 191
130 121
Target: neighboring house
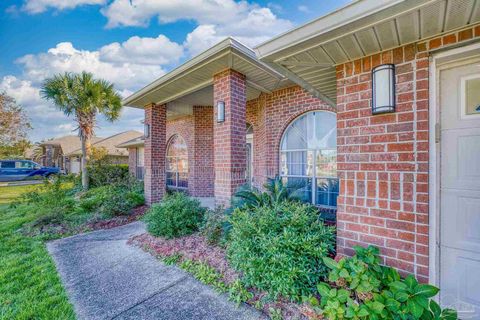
115 154
55 152
395 151
136 156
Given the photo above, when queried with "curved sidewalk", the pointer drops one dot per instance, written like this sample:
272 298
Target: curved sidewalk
107 279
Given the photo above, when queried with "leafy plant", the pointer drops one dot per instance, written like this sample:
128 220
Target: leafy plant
204 273
216 226
276 193
280 249
176 216
102 174
238 293
360 288
110 200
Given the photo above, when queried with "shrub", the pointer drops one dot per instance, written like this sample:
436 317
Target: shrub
360 288
280 249
215 226
110 200
109 174
176 216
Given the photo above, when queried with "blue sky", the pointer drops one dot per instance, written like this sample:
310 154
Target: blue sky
128 42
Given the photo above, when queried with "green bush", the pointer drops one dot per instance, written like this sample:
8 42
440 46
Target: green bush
109 174
360 288
110 200
176 216
215 226
280 249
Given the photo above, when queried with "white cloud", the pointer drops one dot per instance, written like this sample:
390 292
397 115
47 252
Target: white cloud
65 57
216 19
303 8
39 6
140 12
258 25
155 51
111 62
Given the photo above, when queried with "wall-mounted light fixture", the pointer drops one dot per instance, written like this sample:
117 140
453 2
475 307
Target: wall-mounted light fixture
383 89
220 111
146 130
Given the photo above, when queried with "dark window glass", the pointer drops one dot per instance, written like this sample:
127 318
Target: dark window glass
177 163
8 164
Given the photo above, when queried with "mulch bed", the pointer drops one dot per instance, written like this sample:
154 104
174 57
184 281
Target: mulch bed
134 215
196 248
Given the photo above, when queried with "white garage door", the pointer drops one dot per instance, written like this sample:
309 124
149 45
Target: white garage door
460 186
75 165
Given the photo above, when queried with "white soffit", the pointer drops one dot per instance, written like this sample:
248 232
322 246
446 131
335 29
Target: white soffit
191 83
308 55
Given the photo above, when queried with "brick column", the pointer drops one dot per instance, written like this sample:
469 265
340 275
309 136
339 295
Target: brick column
154 180
229 136
203 179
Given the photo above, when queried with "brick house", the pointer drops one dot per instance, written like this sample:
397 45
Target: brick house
373 110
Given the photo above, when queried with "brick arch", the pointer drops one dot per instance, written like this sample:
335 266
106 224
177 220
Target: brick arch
283 107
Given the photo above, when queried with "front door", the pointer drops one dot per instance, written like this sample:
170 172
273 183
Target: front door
459 98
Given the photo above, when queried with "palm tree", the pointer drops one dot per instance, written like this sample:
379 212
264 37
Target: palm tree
83 97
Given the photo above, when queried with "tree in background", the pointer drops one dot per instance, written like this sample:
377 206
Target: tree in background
83 97
14 126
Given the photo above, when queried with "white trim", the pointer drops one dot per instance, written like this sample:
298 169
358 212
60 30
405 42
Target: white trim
463 99
434 156
314 176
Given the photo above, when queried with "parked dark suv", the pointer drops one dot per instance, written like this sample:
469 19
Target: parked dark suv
14 170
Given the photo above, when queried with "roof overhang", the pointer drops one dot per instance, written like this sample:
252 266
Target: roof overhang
132 144
194 79
308 55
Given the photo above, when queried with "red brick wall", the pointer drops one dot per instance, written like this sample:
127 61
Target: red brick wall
203 180
383 159
229 136
154 180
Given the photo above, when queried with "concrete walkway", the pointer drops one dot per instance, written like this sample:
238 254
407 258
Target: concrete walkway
107 279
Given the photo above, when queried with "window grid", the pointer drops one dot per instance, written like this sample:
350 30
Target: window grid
317 167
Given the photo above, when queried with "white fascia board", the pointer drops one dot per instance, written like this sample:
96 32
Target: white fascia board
340 18
227 46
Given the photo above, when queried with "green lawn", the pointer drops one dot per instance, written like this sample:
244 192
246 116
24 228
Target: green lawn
30 287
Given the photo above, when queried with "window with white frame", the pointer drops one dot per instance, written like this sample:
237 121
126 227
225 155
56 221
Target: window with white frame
177 163
308 158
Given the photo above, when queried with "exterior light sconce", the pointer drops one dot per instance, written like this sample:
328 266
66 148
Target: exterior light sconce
220 111
146 130
383 89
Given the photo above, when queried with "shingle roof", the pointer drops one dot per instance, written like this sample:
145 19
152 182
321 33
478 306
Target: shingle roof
140 141
68 143
112 142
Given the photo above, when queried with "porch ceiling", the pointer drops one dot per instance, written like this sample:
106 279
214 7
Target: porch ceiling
192 83
308 55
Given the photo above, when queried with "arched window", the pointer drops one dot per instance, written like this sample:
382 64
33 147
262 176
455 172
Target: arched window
308 157
177 163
